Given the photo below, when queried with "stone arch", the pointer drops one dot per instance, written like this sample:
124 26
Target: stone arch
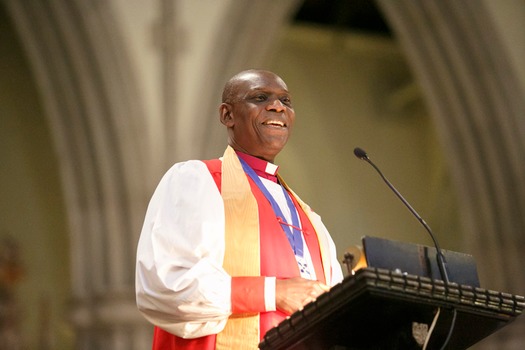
95 116
110 152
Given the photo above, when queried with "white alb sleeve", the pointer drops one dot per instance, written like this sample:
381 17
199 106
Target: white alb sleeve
181 286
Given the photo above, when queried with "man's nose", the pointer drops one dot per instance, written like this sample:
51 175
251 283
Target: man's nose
276 105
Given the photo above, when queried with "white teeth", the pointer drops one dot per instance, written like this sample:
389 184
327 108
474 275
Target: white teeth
274 122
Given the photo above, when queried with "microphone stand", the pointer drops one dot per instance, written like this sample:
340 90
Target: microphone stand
440 257
441 261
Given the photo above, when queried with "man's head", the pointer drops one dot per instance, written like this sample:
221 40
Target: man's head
257 110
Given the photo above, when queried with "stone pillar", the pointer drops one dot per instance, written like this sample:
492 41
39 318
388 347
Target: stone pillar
466 74
127 87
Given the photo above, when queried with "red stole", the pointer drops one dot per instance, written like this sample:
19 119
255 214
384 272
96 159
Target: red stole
277 259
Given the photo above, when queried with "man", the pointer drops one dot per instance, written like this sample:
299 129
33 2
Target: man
227 250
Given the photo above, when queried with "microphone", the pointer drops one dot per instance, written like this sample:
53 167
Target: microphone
441 261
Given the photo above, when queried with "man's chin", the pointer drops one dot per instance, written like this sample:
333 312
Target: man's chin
272 151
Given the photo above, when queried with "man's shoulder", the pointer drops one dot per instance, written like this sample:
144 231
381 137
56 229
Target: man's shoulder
196 163
193 168
185 168
196 169
215 168
213 165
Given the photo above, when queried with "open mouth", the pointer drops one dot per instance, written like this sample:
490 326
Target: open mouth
275 123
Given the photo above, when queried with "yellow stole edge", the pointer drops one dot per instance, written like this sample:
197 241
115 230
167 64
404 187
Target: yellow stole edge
321 233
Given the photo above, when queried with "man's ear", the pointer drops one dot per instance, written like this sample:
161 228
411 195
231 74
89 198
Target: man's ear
225 113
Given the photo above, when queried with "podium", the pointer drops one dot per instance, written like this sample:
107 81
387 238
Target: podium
383 309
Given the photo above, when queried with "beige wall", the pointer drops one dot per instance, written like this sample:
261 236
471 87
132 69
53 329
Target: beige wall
350 91
31 203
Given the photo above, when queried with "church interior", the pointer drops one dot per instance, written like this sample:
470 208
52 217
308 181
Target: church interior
99 98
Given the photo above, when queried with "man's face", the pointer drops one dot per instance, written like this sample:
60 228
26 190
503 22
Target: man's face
259 115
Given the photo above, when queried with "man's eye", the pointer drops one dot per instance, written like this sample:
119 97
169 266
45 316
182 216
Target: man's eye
260 98
287 101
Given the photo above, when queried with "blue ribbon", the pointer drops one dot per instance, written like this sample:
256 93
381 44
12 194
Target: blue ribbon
293 232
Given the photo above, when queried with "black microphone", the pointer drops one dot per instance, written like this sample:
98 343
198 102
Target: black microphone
441 262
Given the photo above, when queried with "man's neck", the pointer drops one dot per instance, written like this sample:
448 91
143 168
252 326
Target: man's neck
261 167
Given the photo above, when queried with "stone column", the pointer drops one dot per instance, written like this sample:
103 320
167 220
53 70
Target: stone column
455 49
127 87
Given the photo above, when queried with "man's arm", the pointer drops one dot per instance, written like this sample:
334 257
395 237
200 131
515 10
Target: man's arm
180 283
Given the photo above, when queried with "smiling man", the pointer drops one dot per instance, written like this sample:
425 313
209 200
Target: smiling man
257 110
227 250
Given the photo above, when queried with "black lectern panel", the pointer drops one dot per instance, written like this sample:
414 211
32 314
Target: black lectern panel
420 260
382 309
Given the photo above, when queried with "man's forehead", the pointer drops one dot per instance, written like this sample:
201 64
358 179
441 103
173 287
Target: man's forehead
248 76
260 80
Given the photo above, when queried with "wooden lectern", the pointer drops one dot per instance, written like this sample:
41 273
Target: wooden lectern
383 309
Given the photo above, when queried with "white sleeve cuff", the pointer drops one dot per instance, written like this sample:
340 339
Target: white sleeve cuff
269 293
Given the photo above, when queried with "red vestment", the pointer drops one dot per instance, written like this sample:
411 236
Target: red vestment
277 259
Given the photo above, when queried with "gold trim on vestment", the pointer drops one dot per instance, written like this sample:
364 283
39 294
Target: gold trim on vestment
242 253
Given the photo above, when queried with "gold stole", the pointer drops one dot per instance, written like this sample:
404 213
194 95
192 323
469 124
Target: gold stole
242 252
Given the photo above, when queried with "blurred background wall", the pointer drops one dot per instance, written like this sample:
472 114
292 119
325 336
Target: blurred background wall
99 98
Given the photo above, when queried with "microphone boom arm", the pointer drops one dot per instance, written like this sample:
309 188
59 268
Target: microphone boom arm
441 261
